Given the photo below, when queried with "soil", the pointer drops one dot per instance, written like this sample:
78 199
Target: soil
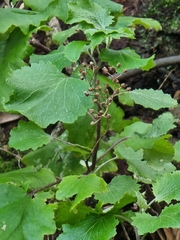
147 42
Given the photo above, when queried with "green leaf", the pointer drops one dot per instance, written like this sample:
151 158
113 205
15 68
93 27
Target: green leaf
99 227
64 214
135 162
127 58
37 5
74 49
124 21
169 217
11 58
115 8
48 156
161 125
137 127
61 37
154 99
167 187
28 135
81 127
124 98
117 188
36 179
116 119
13 17
177 151
72 185
44 95
71 165
56 57
53 156
102 34
160 156
89 12
20 215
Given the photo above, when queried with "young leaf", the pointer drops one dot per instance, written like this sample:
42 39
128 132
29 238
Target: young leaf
154 99
35 179
20 215
135 162
99 227
74 49
89 12
61 37
44 95
28 135
146 223
161 125
125 21
56 57
72 185
115 8
167 187
137 127
127 58
117 188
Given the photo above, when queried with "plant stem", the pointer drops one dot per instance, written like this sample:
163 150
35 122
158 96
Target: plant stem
103 164
95 150
127 220
111 147
47 186
16 156
125 232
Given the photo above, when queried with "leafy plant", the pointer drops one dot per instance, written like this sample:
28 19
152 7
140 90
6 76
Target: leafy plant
62 186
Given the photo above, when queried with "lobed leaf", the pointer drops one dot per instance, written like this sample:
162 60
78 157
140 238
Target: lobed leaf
61 37
34 178
115 8
167 187
56 57
64 215
72 185
74 49
169 217
89 12
11 58
125 21
81 127
135 162
99 227
36 5
127 59
12 18
45 96
117 188
20 215
28 135
154 99
161 125
177 151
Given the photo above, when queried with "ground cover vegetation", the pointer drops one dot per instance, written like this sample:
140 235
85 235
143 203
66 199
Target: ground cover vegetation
83 171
